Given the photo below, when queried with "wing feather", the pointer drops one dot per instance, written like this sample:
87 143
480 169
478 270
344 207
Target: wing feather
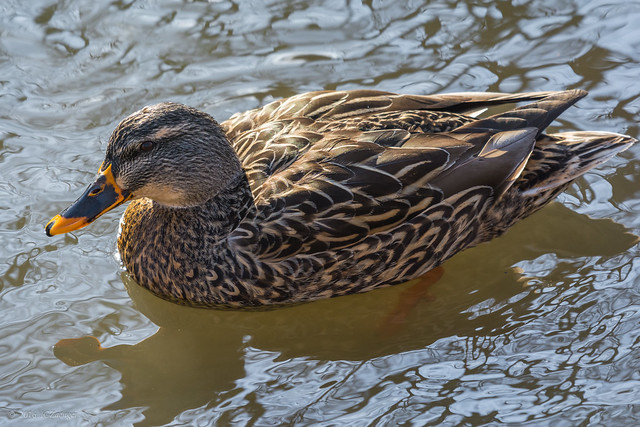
329 170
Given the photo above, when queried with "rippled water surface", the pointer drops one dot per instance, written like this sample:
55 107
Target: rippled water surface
539 326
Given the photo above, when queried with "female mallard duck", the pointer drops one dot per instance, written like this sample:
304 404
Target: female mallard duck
326 193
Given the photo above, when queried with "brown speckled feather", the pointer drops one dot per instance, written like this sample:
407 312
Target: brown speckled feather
348 191
335 189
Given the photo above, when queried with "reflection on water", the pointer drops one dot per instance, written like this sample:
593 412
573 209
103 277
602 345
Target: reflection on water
539 325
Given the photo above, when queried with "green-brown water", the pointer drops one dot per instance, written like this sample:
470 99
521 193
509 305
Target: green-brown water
539 326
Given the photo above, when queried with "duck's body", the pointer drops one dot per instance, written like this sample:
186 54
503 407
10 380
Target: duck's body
331 193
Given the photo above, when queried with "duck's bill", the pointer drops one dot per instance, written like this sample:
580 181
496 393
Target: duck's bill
100 197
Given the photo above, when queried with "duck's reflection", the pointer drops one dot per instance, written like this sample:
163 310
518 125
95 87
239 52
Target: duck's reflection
198 354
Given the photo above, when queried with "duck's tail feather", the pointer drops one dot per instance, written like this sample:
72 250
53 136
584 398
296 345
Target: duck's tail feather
560 158
555 162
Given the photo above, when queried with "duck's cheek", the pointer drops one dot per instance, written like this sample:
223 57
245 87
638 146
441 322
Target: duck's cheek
162 193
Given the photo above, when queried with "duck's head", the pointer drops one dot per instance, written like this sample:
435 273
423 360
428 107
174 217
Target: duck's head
174 154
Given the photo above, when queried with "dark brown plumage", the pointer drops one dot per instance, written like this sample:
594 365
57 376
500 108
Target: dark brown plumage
331 193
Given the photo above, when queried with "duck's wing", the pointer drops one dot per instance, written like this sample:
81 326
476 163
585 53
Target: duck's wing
269 139
354 184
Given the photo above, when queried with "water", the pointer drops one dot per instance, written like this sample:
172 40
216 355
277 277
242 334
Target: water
539 326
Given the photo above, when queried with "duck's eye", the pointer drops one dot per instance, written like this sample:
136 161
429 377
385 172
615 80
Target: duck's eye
146 146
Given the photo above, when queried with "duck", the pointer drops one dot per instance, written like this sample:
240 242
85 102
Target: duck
327 193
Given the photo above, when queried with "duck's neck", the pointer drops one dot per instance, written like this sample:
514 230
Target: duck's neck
215 218
183 254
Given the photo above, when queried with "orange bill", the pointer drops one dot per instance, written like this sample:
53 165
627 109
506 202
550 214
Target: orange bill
100 197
